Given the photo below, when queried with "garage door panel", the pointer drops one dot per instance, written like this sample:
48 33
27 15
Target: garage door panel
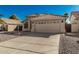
47 28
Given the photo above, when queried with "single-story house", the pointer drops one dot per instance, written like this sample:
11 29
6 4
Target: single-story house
10 25
47 23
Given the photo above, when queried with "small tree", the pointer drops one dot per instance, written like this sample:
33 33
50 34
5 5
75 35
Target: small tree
13 17
66 15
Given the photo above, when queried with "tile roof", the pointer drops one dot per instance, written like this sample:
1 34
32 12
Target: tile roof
44 15
53 17
10 21
76 14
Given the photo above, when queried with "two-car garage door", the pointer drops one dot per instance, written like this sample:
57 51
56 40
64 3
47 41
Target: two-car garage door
48 28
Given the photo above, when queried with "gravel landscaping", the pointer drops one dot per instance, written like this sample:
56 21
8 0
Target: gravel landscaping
69 44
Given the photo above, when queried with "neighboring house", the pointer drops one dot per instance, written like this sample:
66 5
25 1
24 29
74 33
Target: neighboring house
74 18
1 24
47 23
10 25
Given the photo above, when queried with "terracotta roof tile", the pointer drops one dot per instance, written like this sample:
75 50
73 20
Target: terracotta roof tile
10 21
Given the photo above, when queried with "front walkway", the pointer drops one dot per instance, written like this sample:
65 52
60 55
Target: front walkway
31 45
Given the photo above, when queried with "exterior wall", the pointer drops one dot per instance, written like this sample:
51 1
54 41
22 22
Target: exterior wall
72 19
29 24
57 27
11 27
47 24
63 30
49 28
75 27
74 24
46 28
0 26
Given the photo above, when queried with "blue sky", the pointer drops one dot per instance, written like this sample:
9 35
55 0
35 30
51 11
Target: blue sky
24 10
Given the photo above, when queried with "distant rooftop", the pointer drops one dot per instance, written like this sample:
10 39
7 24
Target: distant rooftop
10 21
76 14
75 11
44 14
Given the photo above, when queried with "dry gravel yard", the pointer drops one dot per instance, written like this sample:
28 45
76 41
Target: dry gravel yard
69 44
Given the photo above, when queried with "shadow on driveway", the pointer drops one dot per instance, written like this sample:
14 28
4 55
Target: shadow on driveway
32 34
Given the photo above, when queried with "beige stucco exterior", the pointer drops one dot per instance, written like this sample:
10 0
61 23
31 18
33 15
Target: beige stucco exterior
74 22
11 27
47 24
10 24
49 28
75 27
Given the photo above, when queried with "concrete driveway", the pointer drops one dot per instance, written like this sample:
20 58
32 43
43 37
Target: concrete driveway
31 44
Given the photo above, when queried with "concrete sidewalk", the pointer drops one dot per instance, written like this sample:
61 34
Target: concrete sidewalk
31 45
